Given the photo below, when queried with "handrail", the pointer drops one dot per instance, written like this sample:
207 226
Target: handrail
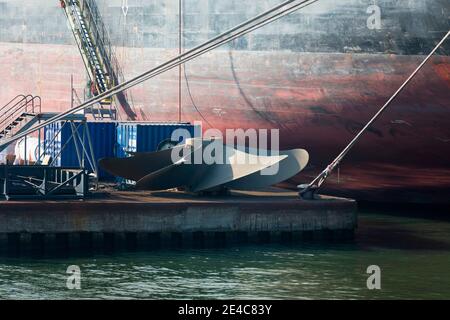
23 100
19 103
79 102
28 99
33 104
19 109
39 107
103 43
94 44
100 36
83 39
6 105
108 53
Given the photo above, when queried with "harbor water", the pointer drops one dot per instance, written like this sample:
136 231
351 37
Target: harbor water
413 255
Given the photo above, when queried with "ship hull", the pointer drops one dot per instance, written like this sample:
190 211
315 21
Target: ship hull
318 76
319 105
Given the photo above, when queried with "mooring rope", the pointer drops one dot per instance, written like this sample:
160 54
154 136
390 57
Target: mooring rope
322 177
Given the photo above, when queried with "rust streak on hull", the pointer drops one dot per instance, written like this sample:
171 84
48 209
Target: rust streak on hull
318 101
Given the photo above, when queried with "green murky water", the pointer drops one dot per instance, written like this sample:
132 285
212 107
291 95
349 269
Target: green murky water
413 254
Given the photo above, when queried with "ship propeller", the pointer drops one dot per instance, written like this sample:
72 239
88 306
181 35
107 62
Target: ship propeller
207 165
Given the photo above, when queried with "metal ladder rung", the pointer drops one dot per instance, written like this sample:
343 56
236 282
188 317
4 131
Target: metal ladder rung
91 36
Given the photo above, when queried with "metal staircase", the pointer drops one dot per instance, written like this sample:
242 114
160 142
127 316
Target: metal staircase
98 56
18 115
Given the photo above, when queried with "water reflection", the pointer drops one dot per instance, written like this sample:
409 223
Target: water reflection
414 256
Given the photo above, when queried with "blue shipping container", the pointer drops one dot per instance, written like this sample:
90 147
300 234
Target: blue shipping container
146 137
103 137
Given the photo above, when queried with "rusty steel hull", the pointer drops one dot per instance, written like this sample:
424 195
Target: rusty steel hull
405 157
318 106
317 75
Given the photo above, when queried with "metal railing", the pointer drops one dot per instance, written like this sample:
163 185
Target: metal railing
37 181
22 98
102 38
88 44
97 51
19 107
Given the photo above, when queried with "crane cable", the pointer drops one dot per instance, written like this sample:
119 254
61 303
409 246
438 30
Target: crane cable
308 191
261 20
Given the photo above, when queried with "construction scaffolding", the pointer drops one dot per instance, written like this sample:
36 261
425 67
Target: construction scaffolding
39 181
43 177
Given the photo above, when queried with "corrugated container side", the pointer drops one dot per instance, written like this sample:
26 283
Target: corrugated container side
52 144
126 139
109 139
150 136
145 137
103 138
